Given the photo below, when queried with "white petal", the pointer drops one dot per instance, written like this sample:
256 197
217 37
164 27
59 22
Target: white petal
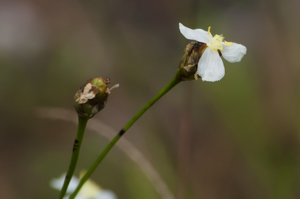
197 34
234 53
210 66
58 183
106 195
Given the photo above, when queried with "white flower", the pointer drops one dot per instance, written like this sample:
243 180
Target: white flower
210 65
90 190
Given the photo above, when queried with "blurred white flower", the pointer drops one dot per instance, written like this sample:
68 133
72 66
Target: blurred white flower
210 65
90 190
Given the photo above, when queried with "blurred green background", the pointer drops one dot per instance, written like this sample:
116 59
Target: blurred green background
233 139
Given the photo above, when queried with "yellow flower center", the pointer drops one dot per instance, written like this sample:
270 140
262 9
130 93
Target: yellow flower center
216 43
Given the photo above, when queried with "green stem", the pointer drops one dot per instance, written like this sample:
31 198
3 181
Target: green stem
172 83
76 149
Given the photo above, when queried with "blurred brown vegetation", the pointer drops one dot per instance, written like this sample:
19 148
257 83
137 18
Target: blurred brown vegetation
236 138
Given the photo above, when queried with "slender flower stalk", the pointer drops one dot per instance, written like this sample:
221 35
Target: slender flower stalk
89 100
76 149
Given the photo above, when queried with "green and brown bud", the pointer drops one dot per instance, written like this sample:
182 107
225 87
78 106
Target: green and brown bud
189 62
92 97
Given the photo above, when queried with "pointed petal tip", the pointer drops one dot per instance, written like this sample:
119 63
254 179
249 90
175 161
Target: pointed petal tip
181 27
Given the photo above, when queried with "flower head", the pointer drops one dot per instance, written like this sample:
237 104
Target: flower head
92 97
210 65
90 189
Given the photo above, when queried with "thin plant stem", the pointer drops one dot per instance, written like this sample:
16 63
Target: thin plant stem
168 87
75 154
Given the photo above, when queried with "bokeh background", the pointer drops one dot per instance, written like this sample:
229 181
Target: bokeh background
232 139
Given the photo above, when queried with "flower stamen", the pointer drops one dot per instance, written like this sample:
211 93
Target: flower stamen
228 43
216 43
208 32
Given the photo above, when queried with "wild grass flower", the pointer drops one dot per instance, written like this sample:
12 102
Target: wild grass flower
210 65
